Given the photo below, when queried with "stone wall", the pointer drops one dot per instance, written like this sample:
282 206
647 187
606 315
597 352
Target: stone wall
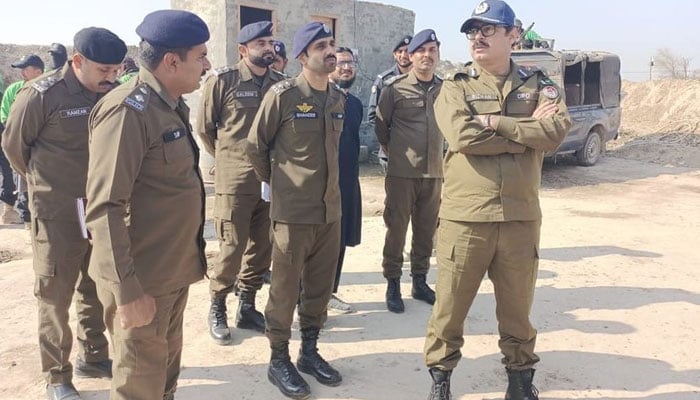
370 28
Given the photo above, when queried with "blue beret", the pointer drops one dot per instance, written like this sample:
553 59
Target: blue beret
307 34
254 31
403 42
421 38
99 45
280 49
492 12
173 29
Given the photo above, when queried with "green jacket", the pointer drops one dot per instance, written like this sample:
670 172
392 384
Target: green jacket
8 98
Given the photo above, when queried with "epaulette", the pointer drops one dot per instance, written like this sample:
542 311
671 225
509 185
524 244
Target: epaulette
525 72
385 74
283 86
464 72
44 84
138 98
279 75
394 79
222 70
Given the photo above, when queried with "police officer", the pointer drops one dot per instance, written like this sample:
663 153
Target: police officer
406 130
46 141
281 60
403 66
499 120
230 99
146 205
293 145
58 54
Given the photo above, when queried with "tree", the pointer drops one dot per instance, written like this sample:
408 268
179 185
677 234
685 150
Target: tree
672 65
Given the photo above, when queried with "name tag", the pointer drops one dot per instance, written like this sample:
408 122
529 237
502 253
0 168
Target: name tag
527 96
246 94
479 96
337 115
174 135
74 112
305 115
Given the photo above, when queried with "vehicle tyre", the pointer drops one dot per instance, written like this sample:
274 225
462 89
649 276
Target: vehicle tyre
591 151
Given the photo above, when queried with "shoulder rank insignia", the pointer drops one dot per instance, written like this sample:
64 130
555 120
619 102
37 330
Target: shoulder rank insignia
283 86
277 75
221 70
43 85
546 81
394 79
138 98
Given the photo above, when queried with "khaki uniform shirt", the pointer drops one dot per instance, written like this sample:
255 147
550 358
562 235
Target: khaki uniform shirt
494 175
145 194
230 100
406 125
293 144
46 140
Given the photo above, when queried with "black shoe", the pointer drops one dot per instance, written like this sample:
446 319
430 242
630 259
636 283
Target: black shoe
310 362
97 369
282 374
218 322
520 385
394 303
441 385
65 391
421 290
247 317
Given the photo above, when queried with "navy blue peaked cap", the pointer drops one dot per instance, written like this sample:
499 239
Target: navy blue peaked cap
421 38
491 12
254 31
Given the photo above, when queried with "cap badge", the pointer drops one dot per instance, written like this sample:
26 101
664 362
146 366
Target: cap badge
277 48
326 28
406 41
481 8
432 36
304 107
550 92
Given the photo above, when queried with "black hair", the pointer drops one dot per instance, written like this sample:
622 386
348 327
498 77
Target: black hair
151 55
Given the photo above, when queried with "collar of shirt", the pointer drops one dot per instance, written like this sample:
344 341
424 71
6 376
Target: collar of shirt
147 77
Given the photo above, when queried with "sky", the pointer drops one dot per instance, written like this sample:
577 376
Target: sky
633 29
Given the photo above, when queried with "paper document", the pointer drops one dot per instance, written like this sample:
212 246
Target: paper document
80 205
265 191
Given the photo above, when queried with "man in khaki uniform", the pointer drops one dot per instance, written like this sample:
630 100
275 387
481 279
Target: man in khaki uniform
293 145
46 141
406 130
230 100
146 205
499 120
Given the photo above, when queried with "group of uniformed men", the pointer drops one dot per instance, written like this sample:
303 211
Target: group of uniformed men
286 194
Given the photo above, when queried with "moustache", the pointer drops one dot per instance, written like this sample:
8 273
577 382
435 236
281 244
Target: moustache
332 57
106 83
480 43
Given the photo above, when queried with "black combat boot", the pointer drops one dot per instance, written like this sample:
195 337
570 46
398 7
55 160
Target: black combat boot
441 385
520 385
421 290
247 316
282 374
218 321
310 362
394 303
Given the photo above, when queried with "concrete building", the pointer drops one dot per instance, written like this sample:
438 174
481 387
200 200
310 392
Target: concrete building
370 28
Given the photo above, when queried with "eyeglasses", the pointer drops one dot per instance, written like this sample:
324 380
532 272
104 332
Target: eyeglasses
346 64
486 31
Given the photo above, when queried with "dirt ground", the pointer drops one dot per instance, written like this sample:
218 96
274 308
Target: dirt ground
617 304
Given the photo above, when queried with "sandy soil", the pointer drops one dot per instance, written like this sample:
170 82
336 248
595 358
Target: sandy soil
617 305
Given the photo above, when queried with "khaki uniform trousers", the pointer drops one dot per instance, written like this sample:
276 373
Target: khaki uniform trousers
416 200
147 358
508 251
306 253
243 228
61 258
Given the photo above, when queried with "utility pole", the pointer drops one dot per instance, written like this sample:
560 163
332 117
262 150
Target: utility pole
651 67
